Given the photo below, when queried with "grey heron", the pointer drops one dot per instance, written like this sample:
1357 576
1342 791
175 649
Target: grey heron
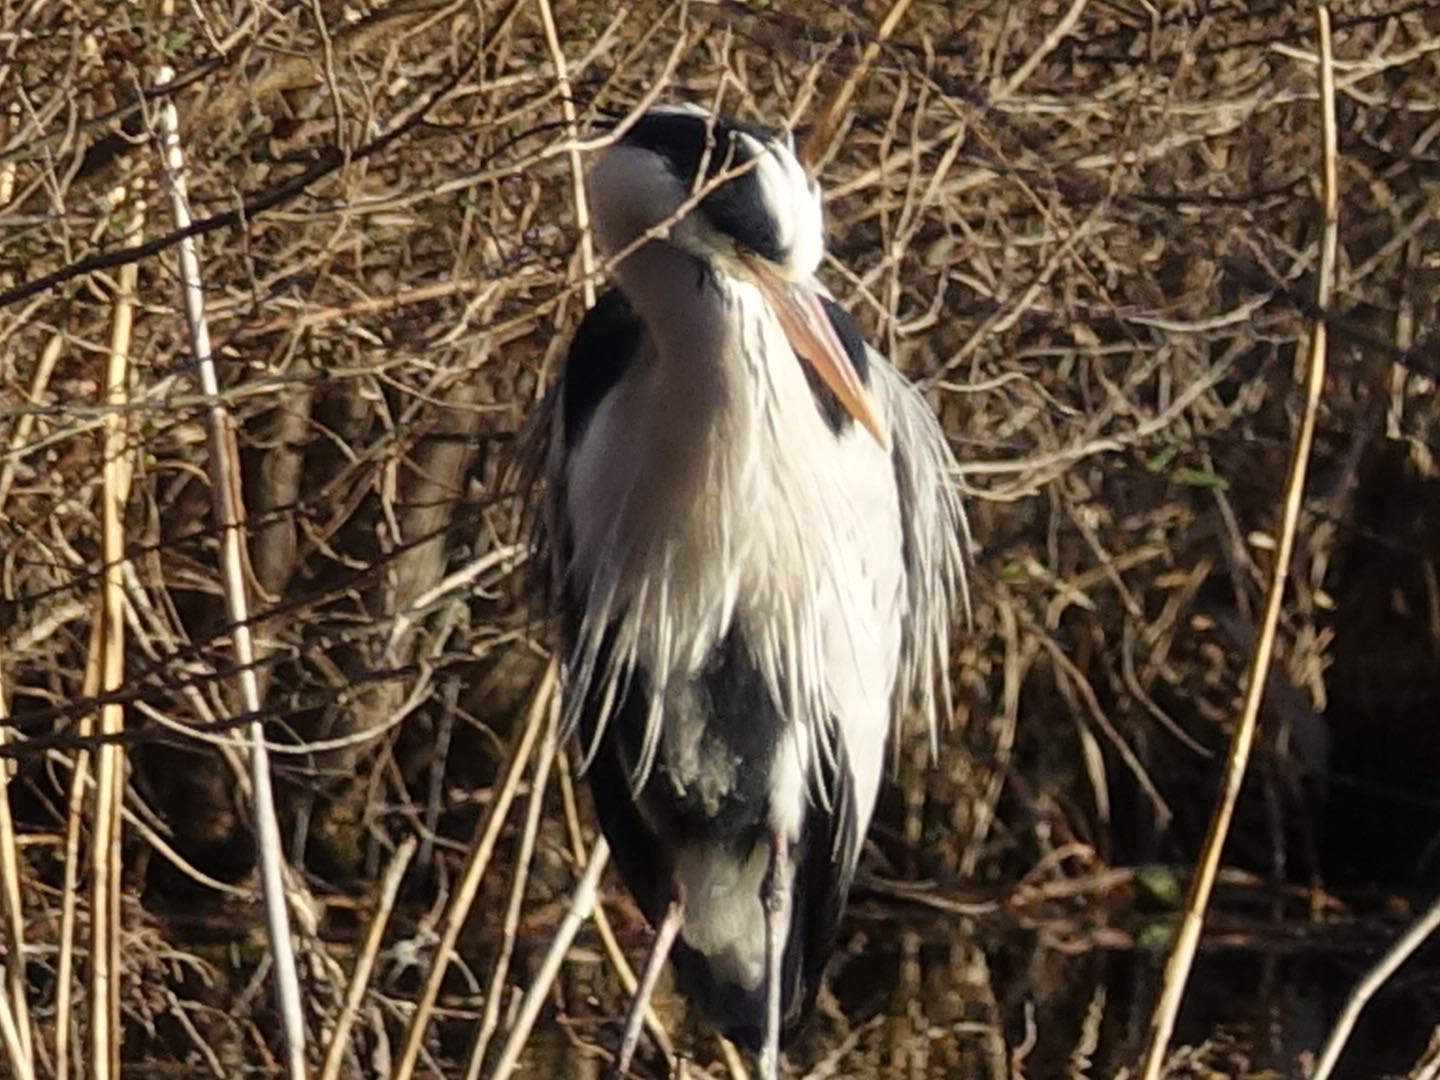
757 552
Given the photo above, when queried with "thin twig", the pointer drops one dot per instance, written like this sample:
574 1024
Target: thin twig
1365 989
224 476
481 849
329 159
360 980
74 824
734 1063
1057 34
577 170
500 969
587 266
582 903
1177 970
828 126
20 435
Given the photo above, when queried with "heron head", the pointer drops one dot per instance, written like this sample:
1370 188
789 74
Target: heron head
718 189
736 197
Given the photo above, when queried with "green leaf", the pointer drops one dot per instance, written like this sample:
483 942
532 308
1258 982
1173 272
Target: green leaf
1203 478
1161 459
1160 884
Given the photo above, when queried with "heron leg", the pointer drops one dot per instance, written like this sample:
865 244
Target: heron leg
776 901
645 987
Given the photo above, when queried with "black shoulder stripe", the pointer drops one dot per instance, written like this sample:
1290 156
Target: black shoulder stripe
850 336
606 343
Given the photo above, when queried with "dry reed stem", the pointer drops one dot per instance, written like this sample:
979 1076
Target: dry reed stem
1428 1065
365 964
582 904
500 970
577 170
483 846
14 1009
15 1049
818 144
224 480
1187 941
106 969
621 966
734 1062
16 1022
74 826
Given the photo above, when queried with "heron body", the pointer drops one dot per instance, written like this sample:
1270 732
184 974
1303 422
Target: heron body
757 550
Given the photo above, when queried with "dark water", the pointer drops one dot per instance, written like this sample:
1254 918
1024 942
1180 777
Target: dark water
994 999
983 999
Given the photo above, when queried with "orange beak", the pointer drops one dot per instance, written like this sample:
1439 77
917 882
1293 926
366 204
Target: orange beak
815 342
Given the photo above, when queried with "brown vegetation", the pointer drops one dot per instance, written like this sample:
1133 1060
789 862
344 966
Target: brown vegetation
1089 230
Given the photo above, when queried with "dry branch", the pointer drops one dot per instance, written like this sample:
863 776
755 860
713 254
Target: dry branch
1082 228
105 849
229 512
1177 970
582 904
1367 987
360 979
481 850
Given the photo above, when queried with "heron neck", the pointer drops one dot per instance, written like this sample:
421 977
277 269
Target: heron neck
681 431
675 294
694 377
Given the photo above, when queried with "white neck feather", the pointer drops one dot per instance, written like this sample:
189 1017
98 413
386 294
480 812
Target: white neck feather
705 505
